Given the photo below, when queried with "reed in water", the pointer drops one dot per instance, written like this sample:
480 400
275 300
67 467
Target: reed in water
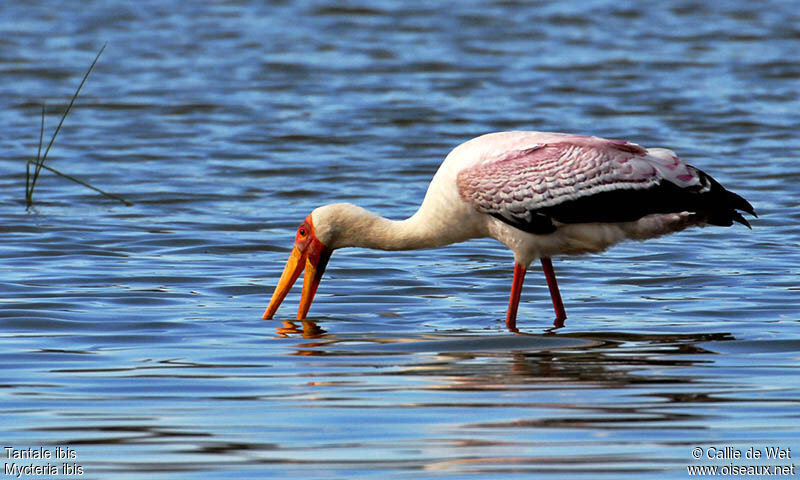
30 179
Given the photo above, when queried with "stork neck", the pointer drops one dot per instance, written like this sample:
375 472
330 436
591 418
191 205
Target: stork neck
347 225
374 231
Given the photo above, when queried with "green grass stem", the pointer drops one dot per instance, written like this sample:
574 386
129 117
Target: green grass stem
30 180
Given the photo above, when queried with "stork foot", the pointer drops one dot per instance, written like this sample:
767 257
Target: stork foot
512 325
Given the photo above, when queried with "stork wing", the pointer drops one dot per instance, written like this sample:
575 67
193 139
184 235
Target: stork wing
589 179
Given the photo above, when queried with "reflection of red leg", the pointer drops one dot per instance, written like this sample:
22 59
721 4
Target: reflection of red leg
513 300
558 305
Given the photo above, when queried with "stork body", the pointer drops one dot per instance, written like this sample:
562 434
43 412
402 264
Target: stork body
540 194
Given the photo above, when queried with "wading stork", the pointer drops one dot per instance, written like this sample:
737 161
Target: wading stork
541 194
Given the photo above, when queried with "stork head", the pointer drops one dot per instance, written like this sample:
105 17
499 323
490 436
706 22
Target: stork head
326 229
308 253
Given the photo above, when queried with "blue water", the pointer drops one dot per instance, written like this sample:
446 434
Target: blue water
132 335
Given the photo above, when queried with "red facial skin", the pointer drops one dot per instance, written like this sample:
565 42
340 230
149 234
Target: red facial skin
309 254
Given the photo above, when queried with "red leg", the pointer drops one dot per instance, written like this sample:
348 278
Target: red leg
558 305
513 301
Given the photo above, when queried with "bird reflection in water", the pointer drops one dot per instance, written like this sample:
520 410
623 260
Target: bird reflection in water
307 329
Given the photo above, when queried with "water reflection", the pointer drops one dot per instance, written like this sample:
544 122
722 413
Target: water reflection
306 329
514 403
480 362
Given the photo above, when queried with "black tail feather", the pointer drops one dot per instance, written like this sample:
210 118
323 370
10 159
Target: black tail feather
739 203
737 217
722 204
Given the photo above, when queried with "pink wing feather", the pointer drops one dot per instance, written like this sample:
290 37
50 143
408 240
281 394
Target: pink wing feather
589 179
